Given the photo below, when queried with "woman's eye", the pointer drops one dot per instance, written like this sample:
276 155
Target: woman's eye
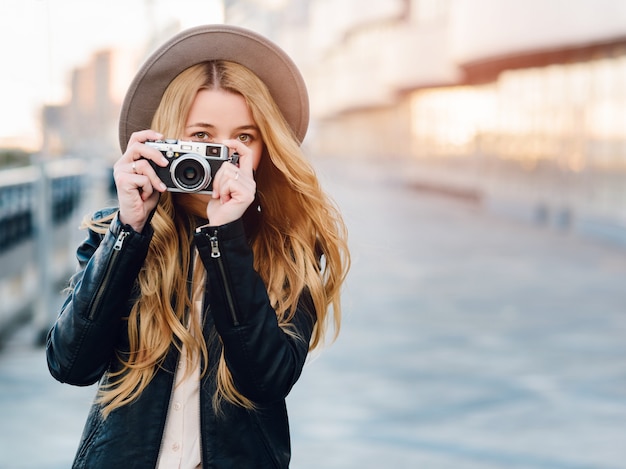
201 135
245 138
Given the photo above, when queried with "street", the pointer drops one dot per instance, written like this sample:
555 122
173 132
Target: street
469 341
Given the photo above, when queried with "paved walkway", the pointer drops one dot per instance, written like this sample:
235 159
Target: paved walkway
469 342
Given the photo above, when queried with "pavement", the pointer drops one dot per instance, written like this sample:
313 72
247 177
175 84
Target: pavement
469 341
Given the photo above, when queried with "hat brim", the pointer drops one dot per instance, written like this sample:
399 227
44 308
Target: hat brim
215 42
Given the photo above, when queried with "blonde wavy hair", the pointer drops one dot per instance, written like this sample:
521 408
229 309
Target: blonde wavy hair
300 243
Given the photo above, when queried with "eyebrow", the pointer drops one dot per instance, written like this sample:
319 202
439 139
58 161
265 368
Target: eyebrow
204 125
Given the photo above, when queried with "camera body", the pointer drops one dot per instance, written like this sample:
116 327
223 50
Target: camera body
191 165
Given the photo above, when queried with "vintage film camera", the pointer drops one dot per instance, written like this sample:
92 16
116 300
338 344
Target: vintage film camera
191 164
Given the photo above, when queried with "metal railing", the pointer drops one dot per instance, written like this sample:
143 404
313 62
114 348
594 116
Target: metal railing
37 207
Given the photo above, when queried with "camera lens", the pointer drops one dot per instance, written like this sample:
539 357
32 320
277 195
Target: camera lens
191 173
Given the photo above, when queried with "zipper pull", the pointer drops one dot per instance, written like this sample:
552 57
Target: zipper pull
215 249
120 240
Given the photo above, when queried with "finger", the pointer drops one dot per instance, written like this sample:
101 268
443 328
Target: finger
223 182
144 168
246 163
146 189
143 136
217 184
221 178
245 155
137 148
222 190
140 151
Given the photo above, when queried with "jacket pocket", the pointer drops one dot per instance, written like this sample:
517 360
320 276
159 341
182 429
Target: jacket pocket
98 298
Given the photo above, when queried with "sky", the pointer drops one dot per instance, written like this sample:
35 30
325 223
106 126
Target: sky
42 41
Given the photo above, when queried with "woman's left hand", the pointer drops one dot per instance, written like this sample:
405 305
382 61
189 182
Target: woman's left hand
234 187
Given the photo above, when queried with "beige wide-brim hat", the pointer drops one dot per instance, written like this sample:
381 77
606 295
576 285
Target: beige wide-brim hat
215 42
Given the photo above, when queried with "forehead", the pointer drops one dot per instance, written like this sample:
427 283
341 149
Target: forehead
221 105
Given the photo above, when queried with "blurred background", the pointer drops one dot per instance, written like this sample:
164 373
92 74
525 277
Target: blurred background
478 151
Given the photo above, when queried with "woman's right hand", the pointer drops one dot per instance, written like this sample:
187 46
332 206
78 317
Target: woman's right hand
138 186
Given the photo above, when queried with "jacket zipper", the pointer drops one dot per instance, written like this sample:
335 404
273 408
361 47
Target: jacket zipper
217 255
117 248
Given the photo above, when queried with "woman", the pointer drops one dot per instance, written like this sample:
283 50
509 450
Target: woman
196 311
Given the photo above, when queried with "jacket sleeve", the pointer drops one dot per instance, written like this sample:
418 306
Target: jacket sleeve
81 342
265 362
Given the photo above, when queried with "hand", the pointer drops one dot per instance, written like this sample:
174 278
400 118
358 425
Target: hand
234 187
138 186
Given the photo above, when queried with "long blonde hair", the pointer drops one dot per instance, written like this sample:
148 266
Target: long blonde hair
301 243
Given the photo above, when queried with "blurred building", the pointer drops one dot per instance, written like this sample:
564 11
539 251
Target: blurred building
519 103
86 126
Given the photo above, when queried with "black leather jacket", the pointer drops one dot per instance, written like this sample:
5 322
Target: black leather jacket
264 362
